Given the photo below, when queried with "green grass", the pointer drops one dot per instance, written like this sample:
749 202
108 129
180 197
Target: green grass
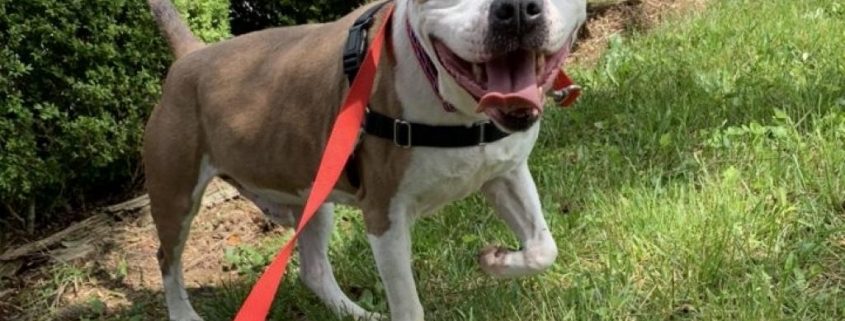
702 177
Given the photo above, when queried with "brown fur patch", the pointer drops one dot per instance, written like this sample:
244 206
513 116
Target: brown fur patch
382 164
261 106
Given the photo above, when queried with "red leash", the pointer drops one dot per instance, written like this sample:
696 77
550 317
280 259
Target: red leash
340 145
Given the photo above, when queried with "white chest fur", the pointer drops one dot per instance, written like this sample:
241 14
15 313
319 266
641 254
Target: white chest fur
437 176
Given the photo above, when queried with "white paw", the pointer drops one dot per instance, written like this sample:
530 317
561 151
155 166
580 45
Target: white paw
493 261
500 262
372 316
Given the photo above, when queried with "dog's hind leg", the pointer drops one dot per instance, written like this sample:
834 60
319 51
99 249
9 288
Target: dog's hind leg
315 269
177 173
515 198
173 215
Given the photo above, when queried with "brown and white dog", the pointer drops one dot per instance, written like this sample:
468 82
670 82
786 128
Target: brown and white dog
256 109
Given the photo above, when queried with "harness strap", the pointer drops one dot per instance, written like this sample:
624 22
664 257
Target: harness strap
353 55
356 42
340 145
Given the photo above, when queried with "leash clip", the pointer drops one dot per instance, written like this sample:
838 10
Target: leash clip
396 125
566 97
566 92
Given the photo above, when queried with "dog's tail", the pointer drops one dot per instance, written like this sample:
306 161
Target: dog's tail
180 38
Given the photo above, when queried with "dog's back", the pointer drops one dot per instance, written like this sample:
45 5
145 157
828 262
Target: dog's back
275 90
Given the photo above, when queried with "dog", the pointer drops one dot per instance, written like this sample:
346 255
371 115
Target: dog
256 110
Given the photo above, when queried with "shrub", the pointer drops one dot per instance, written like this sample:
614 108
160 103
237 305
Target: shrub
251 15
77 80
209 19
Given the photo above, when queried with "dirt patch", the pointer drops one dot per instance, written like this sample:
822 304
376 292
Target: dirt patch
133 249
123 269
129 264
607 18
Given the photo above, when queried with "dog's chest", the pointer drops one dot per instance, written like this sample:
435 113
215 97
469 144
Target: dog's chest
437 176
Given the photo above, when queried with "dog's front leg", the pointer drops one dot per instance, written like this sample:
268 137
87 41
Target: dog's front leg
515 199
392 251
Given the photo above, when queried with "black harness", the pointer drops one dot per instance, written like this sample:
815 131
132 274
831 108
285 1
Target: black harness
403 133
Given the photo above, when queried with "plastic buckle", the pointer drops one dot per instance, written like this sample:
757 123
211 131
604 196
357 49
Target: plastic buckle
367 21
353 53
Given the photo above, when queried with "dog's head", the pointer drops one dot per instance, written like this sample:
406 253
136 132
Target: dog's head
498 57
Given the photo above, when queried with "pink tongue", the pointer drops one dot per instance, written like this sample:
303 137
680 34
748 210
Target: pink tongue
512 84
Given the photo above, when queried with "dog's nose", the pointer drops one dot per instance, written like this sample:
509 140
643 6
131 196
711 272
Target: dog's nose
518 17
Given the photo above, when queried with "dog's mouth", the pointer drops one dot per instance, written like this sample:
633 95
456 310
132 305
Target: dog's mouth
509 87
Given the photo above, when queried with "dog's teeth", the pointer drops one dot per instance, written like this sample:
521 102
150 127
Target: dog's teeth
478 72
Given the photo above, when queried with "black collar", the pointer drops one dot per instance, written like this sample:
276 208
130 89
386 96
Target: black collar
408 134
403 133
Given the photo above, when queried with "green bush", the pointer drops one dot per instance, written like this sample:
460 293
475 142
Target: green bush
251 15
77 81
209 19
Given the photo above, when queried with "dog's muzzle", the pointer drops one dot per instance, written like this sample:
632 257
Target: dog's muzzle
516 24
